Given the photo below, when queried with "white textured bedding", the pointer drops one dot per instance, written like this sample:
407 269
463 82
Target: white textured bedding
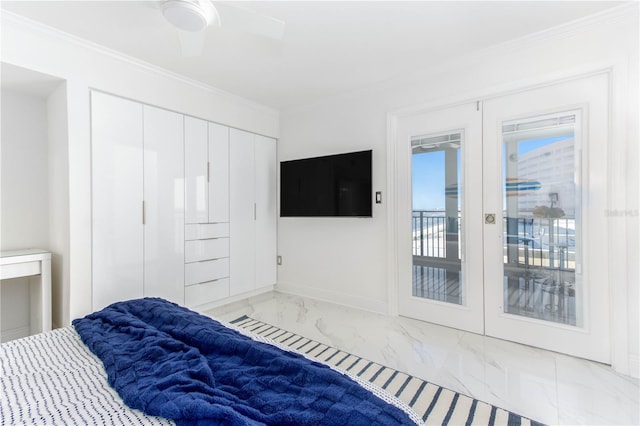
53 379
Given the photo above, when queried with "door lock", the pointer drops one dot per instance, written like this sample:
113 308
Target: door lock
490 218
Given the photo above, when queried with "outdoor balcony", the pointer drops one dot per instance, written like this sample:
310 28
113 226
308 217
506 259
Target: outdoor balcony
539 263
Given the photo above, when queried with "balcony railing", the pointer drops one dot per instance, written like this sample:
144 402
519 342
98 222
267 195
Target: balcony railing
429 233
544 242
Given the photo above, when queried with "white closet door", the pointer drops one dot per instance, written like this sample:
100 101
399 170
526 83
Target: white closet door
242 211
116 143
164 204
219 173
195 170
265 226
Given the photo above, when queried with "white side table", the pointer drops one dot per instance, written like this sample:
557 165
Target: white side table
32 263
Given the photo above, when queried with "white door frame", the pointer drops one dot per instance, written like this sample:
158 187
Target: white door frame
618 93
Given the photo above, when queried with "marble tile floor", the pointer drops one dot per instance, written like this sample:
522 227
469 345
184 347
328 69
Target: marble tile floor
548 387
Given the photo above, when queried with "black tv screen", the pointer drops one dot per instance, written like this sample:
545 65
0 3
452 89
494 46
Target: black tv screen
333 185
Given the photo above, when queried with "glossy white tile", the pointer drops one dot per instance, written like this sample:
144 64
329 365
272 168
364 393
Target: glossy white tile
545 386
590 393
521 379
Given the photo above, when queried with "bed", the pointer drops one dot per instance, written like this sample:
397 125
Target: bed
151 362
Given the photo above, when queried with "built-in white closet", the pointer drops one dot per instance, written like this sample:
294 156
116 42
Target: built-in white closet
206 171
183 208
207 212
253 211
137 201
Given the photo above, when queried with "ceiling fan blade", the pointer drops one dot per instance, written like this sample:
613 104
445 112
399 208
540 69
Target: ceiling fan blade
239 18
191 43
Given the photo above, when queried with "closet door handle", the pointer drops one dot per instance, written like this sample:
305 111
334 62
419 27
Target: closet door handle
143 214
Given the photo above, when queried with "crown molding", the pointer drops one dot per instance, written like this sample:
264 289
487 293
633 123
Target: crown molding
626 11
22 22
612 15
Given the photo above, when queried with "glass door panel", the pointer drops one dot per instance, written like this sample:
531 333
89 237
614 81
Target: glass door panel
541 224
440 230
436 217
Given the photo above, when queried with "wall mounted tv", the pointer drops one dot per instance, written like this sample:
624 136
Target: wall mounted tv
333 185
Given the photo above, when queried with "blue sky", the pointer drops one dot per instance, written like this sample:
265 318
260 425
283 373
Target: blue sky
428 173
428 181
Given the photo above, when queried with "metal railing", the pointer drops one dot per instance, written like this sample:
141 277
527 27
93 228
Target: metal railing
429 233
545 242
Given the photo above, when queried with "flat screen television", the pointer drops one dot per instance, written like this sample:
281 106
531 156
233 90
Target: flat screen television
333 185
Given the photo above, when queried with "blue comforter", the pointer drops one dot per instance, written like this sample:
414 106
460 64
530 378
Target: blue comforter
172 362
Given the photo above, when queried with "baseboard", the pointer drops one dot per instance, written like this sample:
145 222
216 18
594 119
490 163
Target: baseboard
634 366
14 333
229 300
358 302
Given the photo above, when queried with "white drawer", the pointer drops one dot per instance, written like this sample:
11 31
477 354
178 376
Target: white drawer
199 294
208 270
197 250
201 231
23 269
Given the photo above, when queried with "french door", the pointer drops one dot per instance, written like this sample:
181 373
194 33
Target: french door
501 232
440 232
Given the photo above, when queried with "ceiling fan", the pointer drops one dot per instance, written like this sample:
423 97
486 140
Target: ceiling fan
192 19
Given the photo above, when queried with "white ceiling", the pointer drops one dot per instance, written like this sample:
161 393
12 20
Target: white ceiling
329 47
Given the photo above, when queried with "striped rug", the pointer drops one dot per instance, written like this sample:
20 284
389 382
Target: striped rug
435 404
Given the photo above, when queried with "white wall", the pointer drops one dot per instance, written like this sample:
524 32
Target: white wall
57 136
24 197
345 260
85 66
25 193
337 259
